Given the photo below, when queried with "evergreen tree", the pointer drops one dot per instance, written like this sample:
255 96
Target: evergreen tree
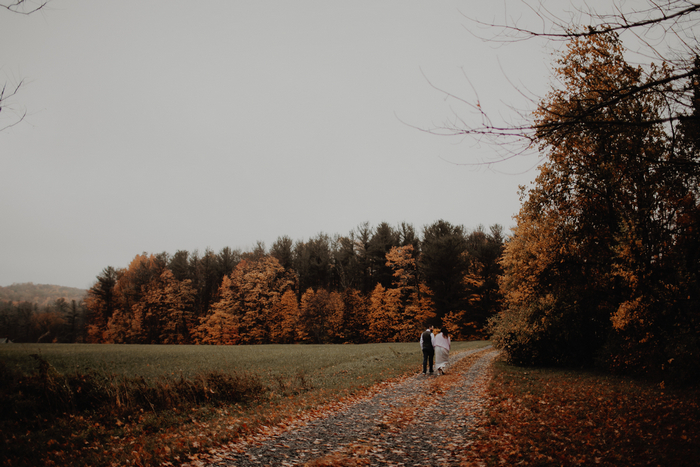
443 265
382 241
283 251
101 303
179 265
354 325
312 261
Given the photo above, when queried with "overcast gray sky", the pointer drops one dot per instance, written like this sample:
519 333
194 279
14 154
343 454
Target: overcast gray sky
165 125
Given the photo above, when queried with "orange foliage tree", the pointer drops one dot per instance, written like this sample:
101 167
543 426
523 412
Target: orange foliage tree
285 319
222 325
128 291
335 318
164 313
593 266
384 315
248 298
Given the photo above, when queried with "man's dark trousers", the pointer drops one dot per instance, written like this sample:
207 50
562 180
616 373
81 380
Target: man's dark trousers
428 355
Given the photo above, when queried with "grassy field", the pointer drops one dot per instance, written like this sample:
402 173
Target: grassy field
78 404
319 362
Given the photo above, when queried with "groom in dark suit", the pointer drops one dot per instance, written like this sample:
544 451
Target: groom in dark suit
426 345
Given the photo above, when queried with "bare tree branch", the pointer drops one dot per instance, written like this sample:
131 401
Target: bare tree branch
676 46
23 7
3 100
669 14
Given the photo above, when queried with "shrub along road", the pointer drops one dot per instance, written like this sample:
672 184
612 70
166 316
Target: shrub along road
418 420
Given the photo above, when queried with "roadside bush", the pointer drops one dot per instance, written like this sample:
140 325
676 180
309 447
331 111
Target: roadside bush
662 346
547 332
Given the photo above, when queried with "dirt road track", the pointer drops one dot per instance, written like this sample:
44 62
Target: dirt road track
419 421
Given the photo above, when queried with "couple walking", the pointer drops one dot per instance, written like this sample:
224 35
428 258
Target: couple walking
437 348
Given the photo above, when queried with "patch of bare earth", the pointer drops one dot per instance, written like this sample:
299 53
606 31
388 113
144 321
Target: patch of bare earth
415 421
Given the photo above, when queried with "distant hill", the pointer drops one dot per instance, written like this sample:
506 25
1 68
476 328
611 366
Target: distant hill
42 294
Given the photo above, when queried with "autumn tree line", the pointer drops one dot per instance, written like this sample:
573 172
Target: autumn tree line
380 284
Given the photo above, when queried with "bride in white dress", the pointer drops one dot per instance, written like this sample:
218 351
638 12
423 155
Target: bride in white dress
442 351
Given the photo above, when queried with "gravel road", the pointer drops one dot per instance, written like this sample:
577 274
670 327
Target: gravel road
419 421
